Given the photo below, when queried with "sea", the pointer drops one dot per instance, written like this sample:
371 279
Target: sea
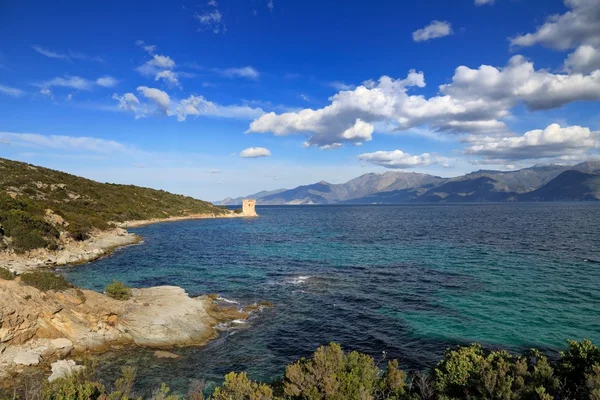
398 281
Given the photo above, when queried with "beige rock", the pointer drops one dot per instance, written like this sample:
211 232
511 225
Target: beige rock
27 358
165 354
64 369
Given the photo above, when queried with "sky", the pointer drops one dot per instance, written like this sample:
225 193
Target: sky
218 98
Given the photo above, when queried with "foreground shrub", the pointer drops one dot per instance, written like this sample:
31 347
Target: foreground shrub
6 274
44 281
118 290
239 387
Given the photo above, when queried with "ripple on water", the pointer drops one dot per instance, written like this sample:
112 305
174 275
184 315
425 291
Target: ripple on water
408 280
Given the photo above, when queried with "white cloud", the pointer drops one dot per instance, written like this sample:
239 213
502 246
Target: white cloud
46 92
169 77
584 60
160 61
482 2
77 82
129 102
74 82
339 85
551 142
474 102
436 29
148 48
198 105
579 25
155 65
59 142
244 72
211 20
398 159
11 91
158 97
107 81
255 152
67 57
270 5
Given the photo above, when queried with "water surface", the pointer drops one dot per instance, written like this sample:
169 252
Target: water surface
407 280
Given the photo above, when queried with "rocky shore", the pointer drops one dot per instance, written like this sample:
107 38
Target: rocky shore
99 244
39 328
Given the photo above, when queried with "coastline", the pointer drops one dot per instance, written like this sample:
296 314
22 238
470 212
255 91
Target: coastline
99 244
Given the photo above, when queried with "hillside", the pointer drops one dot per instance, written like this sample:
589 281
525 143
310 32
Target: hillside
394 187
38 205
568 186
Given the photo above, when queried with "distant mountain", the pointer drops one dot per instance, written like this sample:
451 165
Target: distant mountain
238 200
569 186
408 187
327 193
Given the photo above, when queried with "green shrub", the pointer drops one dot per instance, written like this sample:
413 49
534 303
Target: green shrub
44 281
6 274
118 290
238 211
239 387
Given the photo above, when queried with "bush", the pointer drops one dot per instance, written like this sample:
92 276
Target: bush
6 274
118 290
238 211
239 387
45 281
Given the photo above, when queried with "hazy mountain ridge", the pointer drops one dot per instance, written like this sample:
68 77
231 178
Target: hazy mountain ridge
480 186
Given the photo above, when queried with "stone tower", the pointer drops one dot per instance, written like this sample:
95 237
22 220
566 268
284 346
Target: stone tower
248 208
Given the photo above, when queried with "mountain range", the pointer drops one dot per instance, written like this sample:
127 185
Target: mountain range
553 182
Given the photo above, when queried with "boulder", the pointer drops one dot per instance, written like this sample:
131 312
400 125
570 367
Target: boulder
64 369
27 358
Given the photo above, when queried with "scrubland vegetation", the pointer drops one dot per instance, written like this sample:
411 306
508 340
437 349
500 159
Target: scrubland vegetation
77 205
330 374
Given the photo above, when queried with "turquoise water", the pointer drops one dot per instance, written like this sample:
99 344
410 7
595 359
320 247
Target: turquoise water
407 280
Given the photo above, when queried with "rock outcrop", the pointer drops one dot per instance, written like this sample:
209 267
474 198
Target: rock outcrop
41 327
72 252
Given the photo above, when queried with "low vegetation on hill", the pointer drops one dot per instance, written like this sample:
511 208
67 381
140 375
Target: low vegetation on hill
38 204
330 374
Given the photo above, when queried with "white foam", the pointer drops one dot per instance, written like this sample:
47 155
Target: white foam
227 300
238 321
299 280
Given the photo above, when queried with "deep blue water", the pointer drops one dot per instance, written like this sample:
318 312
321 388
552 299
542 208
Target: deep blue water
408 280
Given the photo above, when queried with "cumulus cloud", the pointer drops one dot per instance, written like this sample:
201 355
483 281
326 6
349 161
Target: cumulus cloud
158 97
255 152
551 142
211 20
584 60
191 106
579 25
436 29
244 72
198 105
169 77
59 142
397 159
67 57
155 65
339 85
474 102
107 81
79 83
129 102
11 91
148 48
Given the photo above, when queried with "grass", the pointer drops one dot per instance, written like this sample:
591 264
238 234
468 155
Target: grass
6 274
118 290
45 281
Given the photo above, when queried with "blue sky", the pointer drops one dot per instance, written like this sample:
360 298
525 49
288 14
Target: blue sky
226 98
